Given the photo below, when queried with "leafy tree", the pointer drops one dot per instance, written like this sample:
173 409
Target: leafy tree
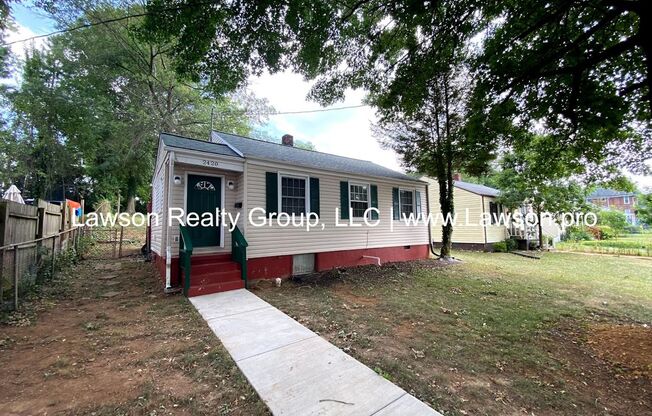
614 219
644 209
585 82
528 178
431 140
103 95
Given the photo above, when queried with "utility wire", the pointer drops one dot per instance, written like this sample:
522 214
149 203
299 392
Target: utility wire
319 110
101 22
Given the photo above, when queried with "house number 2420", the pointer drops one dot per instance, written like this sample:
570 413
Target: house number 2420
208 162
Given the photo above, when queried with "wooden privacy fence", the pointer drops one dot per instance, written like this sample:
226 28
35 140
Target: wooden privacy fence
29 236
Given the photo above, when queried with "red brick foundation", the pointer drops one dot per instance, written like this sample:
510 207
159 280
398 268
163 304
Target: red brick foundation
350 258
281 266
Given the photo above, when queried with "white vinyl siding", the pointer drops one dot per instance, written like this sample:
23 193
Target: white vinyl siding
275 240
158 207
468 209
497 231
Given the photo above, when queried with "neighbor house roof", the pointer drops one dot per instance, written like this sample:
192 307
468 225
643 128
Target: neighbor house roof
608 193
307 158
181 142
476 188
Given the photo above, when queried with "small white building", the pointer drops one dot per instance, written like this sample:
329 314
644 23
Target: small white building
248 179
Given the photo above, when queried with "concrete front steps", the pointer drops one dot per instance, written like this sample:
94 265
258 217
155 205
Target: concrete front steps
212 273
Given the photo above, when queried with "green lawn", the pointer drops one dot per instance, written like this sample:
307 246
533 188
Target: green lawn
629 244
495 334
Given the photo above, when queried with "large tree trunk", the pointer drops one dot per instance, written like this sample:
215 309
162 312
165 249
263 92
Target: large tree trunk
445 180
131 195
541 237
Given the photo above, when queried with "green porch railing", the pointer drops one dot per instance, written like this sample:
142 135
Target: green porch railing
239 252
185 253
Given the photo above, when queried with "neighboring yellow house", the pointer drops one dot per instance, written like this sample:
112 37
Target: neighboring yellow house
473 202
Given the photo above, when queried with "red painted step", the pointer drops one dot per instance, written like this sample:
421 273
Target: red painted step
214 288
215 277
226 266
198 259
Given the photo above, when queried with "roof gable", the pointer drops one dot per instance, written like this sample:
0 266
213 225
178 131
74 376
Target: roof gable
173 140
608 193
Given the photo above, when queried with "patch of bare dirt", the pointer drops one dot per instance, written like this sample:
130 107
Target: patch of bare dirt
353 299
629 346
134 352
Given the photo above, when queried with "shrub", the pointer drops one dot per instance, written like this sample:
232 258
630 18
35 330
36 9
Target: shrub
505 246
614 219
577 233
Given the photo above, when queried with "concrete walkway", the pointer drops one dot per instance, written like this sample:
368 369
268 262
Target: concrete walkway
294 370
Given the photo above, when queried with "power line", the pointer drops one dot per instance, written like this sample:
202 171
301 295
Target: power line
72 29
319 110
102 22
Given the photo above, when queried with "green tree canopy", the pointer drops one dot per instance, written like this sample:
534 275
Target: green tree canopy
90 107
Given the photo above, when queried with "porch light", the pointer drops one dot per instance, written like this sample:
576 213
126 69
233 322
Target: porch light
177 180
230 185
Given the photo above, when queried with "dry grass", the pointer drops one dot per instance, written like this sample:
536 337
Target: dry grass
497 334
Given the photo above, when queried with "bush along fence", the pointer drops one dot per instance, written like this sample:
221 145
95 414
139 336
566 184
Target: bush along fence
31 239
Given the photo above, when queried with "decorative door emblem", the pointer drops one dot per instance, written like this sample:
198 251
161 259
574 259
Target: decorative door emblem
204 186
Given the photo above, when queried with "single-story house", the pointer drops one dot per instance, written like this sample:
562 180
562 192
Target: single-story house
256 182
473 202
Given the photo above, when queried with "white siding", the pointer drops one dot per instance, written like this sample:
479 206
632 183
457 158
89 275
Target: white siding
495 232
159 186
468 210
275 240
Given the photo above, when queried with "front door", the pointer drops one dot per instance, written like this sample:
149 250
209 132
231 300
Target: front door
204 195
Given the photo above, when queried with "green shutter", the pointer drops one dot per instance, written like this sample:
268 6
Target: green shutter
418 202
395 204
344 200
314 195
374 201
271 192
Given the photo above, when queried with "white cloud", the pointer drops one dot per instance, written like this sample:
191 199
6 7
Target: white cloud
344 132
19 50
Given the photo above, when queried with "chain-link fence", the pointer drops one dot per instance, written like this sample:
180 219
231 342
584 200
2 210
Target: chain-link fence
114 242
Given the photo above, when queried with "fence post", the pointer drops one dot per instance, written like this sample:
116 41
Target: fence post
54 242
122 229
4 218
16 277
114 236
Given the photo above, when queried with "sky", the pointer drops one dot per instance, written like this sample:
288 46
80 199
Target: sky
344 132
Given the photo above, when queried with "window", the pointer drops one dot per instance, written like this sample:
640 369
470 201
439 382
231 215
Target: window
493 211
293 195
626 200
358 199
406 200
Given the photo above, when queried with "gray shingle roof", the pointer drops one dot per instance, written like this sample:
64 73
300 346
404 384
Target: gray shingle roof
608 193
181 142
308 158
477 189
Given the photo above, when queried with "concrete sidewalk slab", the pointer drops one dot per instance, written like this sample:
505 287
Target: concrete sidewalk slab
295 371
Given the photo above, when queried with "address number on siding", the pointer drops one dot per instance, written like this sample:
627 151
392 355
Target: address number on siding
208 162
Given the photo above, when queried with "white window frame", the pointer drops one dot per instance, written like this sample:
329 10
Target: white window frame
400 203
626 200
368 185
282 175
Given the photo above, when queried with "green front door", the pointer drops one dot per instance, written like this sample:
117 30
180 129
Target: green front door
204 195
